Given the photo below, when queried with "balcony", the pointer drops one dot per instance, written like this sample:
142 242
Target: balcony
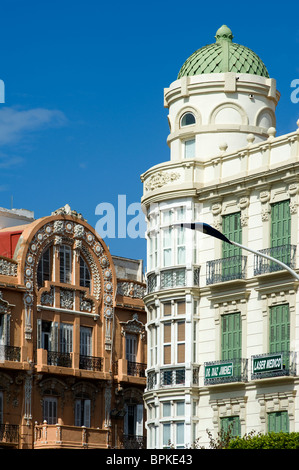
10 353
68 360
226 371
9 435
57 436
59 359
91 363
273 365
137 369
226 269
286 254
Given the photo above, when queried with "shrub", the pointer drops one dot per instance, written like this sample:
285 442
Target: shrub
271 440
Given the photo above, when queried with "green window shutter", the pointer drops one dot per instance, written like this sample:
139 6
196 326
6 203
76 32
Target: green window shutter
232 424
278 421
231 336
280 224
232 263
279 340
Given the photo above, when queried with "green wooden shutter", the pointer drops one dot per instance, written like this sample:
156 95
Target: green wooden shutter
231 336
280 224
232 424
232 264
278 421
281 231
279 340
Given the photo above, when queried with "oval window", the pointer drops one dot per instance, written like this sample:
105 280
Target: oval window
187 119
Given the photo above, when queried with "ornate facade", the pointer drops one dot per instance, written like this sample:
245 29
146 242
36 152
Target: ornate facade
72 338
222 323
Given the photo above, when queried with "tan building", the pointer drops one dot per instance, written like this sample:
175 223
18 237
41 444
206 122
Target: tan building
72 336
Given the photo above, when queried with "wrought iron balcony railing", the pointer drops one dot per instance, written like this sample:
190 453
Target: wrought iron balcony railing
10 353
226 269
151 283
59 359
91 363
226 371
273 365
136 369
286 254
9 433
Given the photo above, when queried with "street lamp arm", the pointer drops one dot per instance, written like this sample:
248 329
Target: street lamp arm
208 230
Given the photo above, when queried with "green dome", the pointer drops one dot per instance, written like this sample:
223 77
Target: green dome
223 56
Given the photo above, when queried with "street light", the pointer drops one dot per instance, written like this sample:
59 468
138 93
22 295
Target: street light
208 230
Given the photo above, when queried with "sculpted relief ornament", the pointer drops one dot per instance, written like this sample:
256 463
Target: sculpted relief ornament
160 179
130 289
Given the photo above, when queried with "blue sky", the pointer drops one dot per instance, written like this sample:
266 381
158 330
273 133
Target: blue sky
83 115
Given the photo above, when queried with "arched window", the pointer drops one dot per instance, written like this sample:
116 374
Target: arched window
187 119
84 274
65 255
44 268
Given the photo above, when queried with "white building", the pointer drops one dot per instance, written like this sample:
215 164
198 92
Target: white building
223 333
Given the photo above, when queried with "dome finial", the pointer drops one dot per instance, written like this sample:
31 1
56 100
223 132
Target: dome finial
224 34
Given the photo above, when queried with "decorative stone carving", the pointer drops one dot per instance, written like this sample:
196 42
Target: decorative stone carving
131 289
85 304
266 209
79 231
133 326
160 179
216 211
8 268
58 226
66 210
243 205
47 298
293 191
66 299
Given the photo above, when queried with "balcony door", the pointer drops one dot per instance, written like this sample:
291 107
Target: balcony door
133 422
82 412
85 341
131 347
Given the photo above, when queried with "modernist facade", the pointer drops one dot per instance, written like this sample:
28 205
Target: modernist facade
72 336
223 324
